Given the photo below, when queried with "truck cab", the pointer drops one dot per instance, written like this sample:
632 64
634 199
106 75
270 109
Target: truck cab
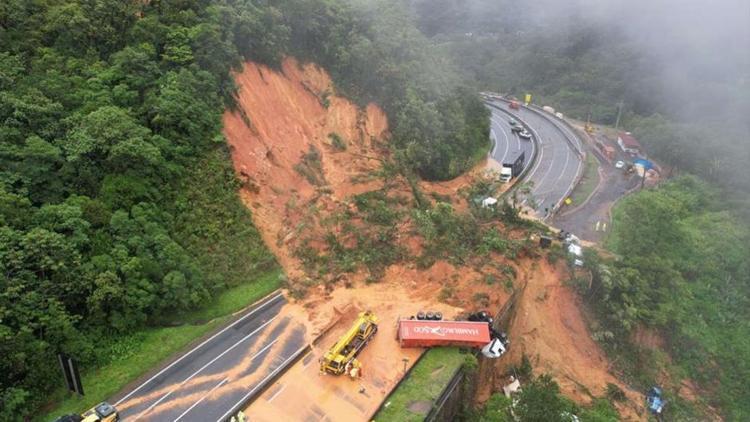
506 173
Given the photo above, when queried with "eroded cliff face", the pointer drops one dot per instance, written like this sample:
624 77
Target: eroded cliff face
302 153
296 144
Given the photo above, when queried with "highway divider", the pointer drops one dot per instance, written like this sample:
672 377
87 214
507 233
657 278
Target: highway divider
534 155
573 140
569 134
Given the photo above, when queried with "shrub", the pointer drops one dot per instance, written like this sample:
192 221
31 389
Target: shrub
337 141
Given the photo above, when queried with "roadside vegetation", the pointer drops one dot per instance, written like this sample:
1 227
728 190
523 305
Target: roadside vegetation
118 204
370 234
681 271
540 400
588 183
137 352
417 392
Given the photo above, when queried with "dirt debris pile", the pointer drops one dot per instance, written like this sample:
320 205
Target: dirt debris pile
311 163
295 144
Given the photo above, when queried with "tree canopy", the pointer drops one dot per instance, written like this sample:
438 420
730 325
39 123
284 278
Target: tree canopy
118 203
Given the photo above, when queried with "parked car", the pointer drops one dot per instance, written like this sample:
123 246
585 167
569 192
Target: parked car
619 164
525 135
517 128
512 122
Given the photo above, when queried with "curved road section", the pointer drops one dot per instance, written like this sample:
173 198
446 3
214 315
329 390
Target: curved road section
558 164
504 141
215 377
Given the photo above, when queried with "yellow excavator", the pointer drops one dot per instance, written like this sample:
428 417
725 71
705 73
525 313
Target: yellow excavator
341 358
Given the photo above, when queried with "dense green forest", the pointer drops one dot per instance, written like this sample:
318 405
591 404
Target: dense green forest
685 271
110 128
540 400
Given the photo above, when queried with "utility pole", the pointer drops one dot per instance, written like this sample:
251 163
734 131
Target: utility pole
619 113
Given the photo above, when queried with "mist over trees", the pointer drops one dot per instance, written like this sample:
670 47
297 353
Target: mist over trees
680 70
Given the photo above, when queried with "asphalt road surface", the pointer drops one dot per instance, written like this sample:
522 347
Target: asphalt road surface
591 221
505 141
207 382
558 164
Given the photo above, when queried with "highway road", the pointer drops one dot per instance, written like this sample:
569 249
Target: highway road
558 164
504 140
212 379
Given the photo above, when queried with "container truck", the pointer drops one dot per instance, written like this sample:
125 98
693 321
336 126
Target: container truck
425 333
512 166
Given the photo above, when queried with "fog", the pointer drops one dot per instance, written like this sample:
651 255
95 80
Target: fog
699 52
700 49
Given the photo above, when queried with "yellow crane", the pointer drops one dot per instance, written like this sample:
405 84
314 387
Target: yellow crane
341 358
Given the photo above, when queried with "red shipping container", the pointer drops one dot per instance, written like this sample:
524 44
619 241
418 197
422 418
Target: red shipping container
422 333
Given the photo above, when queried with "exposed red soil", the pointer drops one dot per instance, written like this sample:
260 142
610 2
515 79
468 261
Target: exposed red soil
549 328
280 116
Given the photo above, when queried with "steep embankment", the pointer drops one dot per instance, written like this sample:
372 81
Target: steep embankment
550 329
295 144
302 153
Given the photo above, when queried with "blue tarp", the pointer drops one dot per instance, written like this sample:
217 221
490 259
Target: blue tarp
646 164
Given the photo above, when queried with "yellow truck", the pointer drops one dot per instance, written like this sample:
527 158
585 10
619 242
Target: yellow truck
102 412
341 358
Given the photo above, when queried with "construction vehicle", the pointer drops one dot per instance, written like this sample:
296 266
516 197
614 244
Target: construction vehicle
102 412
588 127
341 358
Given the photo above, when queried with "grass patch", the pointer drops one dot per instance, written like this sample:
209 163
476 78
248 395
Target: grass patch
311 168
425 383
143 349
588 182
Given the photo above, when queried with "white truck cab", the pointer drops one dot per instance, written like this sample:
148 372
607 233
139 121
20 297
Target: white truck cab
506 173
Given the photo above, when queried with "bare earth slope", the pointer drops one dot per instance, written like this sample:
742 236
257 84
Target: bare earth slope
280 116
295 175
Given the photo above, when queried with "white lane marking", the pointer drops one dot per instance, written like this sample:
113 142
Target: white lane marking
565 167
549 168
148 409
197 347
538 162
507 141
260 384
201 399
494 144
261 351
277 393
